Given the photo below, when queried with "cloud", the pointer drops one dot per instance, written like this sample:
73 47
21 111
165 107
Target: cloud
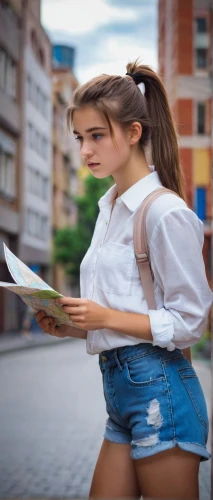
80 16
121 35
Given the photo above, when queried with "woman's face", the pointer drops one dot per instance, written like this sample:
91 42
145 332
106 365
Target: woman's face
103 156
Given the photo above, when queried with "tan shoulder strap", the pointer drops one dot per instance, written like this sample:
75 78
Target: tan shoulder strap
141 248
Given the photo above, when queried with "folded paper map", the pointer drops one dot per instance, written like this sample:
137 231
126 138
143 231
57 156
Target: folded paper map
33 290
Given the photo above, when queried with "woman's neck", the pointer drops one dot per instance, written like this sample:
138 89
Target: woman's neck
129 174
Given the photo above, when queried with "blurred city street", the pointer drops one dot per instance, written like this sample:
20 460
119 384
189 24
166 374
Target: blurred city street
52 419
52 410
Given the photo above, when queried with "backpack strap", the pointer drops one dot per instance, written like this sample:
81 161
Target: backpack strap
141 247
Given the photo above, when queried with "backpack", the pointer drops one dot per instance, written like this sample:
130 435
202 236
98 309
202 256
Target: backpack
142 252
141 247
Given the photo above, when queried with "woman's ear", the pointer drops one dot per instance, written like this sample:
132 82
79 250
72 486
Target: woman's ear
135 132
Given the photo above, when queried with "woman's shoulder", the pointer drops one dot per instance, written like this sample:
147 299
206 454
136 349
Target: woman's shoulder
169 210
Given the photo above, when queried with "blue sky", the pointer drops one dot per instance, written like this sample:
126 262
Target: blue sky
107 34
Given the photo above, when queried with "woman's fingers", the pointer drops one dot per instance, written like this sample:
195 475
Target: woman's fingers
39 315
46 323
74 310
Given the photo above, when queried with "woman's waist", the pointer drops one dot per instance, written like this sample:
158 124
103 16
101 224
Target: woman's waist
126 353
99 341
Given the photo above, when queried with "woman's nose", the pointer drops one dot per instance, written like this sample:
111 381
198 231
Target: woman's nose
86 150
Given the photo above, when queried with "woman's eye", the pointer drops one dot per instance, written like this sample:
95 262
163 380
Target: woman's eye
97 136
78 138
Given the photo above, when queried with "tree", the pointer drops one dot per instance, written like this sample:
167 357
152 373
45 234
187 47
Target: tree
71 243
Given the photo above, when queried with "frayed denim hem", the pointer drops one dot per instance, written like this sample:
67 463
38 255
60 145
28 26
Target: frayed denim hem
147 451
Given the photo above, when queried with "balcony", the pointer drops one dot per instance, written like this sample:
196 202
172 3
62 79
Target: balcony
9 113
10 33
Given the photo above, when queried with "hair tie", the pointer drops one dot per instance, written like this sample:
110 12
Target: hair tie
136 77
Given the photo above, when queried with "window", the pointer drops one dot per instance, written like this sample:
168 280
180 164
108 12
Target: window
201 24
28 221
35 101
29 87
2 171
33 182
44 148
10 176
201 58
44 228
45 105
30 135
41 102
2 68
44 188
41 56
33 92
200 202
201 117
7 174
36 224
8 74
13 80
34 40
29 179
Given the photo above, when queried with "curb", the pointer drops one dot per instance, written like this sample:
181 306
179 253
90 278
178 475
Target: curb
35 344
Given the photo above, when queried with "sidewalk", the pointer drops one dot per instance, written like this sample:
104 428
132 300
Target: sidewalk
13 341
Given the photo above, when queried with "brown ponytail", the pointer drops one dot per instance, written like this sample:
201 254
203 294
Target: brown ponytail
120 98
165 153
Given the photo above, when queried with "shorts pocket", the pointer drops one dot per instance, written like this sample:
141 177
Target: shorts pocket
144 371
114 268
195 392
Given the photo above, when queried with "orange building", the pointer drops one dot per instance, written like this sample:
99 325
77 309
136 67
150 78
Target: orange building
185 59
66 163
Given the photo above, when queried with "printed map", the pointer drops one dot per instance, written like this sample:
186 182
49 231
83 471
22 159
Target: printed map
33 290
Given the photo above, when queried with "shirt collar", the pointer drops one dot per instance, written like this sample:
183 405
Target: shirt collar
135 195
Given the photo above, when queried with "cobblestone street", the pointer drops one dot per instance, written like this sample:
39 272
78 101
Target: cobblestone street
52 419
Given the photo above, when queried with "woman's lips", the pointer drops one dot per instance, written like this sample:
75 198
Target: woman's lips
92 165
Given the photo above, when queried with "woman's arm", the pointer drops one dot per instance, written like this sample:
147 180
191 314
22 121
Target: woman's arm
178 267
76 333
133 324
187 353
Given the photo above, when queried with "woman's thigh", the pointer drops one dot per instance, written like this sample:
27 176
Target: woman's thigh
170 474
114 475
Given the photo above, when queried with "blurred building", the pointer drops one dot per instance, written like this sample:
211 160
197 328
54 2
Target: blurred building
66 163
10 148
25 146
63 56
36 165
185 64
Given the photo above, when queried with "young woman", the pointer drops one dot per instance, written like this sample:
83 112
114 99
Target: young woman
157 428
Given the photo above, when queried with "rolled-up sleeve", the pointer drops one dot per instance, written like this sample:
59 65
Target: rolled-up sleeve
177 263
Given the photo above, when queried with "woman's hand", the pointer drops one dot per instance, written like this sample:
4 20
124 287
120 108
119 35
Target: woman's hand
48 325
85 313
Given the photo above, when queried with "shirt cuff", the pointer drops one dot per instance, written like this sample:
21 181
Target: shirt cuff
162 328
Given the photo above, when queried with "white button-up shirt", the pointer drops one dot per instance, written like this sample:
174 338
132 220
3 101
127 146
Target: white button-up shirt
109 274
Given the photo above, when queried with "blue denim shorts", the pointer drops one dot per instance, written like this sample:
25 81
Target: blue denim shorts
154 401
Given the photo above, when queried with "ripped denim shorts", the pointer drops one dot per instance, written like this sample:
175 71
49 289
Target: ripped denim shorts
154 401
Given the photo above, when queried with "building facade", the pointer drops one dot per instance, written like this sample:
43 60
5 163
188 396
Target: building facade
185 65
25 147
66 163
10 150
36 164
